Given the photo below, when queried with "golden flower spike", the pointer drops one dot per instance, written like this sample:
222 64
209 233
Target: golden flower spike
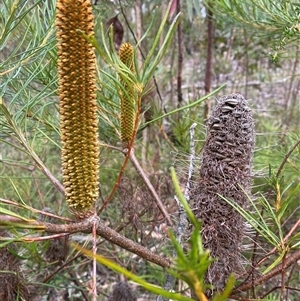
78 106
128 99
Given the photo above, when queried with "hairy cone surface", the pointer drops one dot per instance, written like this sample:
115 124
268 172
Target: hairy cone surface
225 168
128 99
78 107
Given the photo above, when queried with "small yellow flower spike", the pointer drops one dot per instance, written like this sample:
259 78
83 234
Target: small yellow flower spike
78 106
128 100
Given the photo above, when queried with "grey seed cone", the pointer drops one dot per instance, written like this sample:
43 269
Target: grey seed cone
225 167
11 282
122 292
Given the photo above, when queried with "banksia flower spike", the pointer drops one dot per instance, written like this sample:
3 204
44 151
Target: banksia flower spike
78 107
127 96
226 170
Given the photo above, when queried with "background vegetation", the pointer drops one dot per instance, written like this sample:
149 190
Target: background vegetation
252 47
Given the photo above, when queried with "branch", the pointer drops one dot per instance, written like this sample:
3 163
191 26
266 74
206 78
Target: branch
86 226
288 262
129 245
286 158
146 180
110 235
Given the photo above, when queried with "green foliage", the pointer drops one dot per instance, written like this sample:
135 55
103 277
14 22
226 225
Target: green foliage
137 80
269 18
267 217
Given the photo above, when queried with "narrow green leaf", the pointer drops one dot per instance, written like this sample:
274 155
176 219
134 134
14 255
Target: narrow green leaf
149 27
285 189
227 290
274 264
271 212
148 70
189 5
181 257
148 286
182 198
149 57
185 107
285 203
259 225
292 240
8 212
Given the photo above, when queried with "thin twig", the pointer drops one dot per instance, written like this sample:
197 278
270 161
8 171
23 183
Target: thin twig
183 222
45 170
286 158
275 288
78 284
251 270
290 278
246 62
146 180
282 242
192 159
94 273
116 184
282 278
140 49
35 239
296 210
127 152
23 141
296 225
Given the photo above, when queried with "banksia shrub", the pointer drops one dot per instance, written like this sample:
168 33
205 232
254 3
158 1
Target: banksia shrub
127 96
226 170
78 107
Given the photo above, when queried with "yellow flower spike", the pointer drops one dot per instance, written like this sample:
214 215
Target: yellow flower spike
126 55
78 106
128 99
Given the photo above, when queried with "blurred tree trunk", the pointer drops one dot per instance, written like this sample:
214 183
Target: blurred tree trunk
139 27
139 33
209 57
180 56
